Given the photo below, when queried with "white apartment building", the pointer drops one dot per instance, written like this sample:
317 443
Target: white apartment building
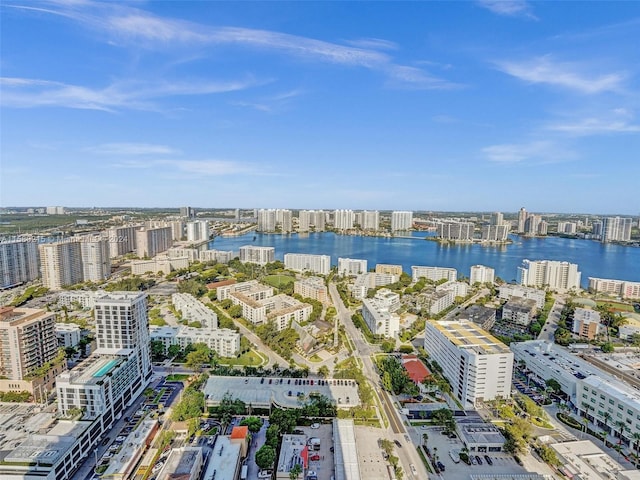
560 276
152 241
251 289
122 240
351 266
458 231
197 231
309 218
569 228
497 218
223 341
437 302
370 220
401 221
312 287
459 289
433 273
164 265
343 219
369 280
96 260
378 313
519 311
19 262
285 219
218 256
178 230
266 220
61 264
478 366
586 323
495 233
193 254
85 299
505 292
68 334
55 210
482 274
303 262
259 255
619 288
616 229
193 310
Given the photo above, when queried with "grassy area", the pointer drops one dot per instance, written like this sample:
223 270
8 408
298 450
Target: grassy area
616 306
278 281
251 358
177 377
315 358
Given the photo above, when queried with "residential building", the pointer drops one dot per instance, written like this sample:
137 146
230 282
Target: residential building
483 316
278 309
311 218
304 220
586 323
301 262
178 230
152 241
68 334
568 228
389 269
223 341
351 266
522 219
259 255
378 313
225 460
459 289
477 365
81 298
55 210
437 302
370 220
561 276
218 256
188 212
482 274
163 265
458 231
122 240
61 264
197 231
266 220
193 310
401 221
433 273
505 292
293 451
369 280
584 459
497 218
532 225
19 263
616 229
495 233
285 219
619 288
193 254
312 287
184 463
519 311
251 289
343 219
96 261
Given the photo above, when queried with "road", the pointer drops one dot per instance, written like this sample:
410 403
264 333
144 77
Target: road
549 328
407 452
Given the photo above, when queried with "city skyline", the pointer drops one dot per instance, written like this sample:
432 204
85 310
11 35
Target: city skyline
410 106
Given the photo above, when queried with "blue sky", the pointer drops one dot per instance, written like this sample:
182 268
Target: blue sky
488 105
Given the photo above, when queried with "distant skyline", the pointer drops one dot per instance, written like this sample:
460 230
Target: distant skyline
444 106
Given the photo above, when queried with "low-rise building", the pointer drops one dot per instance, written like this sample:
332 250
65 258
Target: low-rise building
505 292
312 287
632 327
223 341
184 463
433 273
389 269
68 334
586 323
163 265
252 289
483 316
482 274
122 465
294 451
519 310
459 289
378 313
193 310
619 288
481 437
369 280
225 460
416 370
584 459
437 302
218 256
302 262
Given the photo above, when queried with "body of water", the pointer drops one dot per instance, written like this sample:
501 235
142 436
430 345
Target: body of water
594 259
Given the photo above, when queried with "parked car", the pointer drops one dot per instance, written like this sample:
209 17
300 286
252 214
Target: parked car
315 457
315 426
440 466
398 444
488 459
478 459
473 460
265 474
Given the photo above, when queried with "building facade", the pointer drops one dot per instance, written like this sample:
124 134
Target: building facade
152 241
19 263
561 276
61 264
433 273
301 262
351 266
259 255
401 221
482 274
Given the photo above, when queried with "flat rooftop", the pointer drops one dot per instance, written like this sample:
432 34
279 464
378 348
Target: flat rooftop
481 433
181 461
589 461
346 455
252 391
135 441
291 452
466 334
223 460
92 370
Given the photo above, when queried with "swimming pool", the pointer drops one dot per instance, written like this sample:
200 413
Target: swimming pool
106 368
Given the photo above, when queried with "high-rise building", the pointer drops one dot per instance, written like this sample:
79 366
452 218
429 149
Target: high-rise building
151 241
19 263
401 221
343 219
259 255
188 212
495 233
477 365
459 231
351 266
61 264
569 228
197 231
27 341
96 262
561 276
433 273
302 262
55 211
122 240
304 220
616 229
370 220
285 219
481 274
522 219
497 218
532 224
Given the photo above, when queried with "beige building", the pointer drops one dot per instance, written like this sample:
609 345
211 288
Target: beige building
18 263
389 269
312 287
60 264
151 241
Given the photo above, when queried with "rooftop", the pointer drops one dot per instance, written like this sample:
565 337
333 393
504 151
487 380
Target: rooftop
468 335
180 462
92 370
415 368
223 460
292 452
586 459
481 433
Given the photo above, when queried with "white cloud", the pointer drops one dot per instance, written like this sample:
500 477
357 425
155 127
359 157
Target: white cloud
509 8
532 152
207 168
562 74
374 43
26 92
132 149
595 126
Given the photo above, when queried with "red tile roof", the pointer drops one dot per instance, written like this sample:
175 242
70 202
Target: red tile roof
240 432
415 368
221 283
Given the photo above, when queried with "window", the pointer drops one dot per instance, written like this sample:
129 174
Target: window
611 401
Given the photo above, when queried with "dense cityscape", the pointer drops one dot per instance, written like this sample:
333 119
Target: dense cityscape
133 349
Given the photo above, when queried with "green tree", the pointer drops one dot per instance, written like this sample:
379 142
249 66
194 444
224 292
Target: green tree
235 311
202 355
254 424
607 347
554 385
265 457
157 351
295 472
323 371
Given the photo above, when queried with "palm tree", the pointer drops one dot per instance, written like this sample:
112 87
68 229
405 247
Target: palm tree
425 438
606 416
621 425
636 440
295 471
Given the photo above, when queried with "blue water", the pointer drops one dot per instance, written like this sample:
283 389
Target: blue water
106 369
594 259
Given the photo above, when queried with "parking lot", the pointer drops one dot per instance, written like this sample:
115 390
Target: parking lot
372 464
441 445
321 461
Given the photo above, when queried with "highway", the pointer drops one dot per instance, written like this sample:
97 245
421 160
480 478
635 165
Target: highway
363 350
